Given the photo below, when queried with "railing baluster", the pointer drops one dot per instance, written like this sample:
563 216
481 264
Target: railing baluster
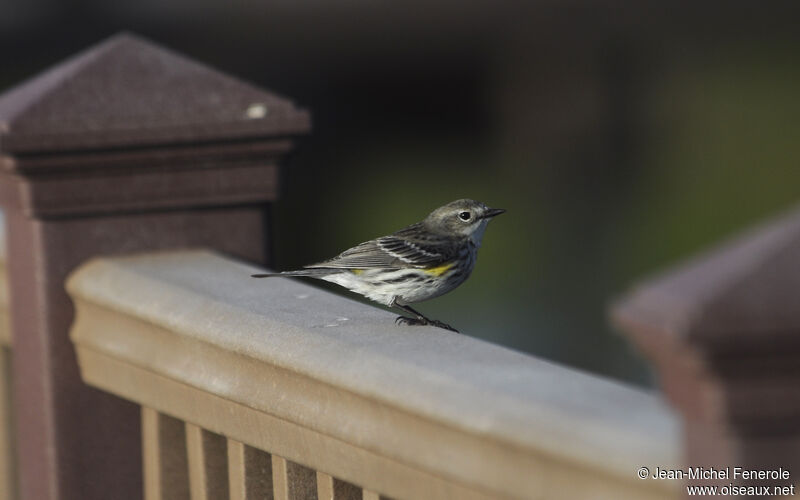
293 481
330 488
279 479
164 454
370 495
249 472
208 467
324 486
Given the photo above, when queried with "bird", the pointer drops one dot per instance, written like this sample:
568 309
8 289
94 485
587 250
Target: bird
419 262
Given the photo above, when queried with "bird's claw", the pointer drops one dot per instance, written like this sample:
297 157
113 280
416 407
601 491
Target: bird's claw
405 320
443 325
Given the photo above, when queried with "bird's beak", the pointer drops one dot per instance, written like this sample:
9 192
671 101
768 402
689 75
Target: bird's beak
493 212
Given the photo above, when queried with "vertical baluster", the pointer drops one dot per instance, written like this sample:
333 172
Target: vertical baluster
329 488
208 464
249 472
279 479
324 486
164 455
293 481
370 495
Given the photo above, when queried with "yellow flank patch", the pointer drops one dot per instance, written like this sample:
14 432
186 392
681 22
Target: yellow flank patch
440 270
357 271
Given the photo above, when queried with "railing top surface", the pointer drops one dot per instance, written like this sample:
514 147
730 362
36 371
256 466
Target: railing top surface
465 383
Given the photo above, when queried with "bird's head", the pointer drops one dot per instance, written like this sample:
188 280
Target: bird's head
463 218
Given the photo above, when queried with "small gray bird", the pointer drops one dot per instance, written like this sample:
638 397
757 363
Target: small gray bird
416 263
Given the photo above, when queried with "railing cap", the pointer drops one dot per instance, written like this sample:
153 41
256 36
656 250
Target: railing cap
127 91
485 390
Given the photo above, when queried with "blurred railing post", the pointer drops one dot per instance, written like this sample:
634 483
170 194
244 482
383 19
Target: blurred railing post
124 147
723 333
7 462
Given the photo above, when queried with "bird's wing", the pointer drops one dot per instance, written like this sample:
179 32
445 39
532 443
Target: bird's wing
415 253
393 251
362 256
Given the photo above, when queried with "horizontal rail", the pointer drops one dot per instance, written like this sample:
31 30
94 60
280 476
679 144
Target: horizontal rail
336 386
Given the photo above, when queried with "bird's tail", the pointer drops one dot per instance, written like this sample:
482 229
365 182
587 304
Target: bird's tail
311 273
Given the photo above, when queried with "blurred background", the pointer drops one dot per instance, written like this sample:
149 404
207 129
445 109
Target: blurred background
621 136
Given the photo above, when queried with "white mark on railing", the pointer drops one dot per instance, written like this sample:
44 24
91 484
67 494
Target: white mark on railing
337 322
256 111
220 385
302 296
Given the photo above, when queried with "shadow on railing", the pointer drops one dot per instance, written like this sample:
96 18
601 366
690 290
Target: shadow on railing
251 388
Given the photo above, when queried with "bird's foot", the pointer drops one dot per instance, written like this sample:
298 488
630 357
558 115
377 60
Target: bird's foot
443 325
405 320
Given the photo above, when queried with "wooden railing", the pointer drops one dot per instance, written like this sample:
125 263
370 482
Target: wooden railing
256 388
259 389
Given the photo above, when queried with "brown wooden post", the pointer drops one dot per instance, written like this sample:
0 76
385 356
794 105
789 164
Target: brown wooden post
125 147
723 333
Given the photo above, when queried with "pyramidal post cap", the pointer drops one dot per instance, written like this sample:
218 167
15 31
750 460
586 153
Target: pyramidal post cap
127 91
737 296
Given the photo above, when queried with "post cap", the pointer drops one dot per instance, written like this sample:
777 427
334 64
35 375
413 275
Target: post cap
127 91
740 295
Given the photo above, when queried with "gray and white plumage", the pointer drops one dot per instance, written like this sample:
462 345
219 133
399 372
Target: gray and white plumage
416 263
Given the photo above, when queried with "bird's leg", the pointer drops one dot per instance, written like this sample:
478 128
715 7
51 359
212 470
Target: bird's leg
419 318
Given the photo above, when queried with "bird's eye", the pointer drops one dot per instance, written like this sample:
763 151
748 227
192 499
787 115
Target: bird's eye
465 216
